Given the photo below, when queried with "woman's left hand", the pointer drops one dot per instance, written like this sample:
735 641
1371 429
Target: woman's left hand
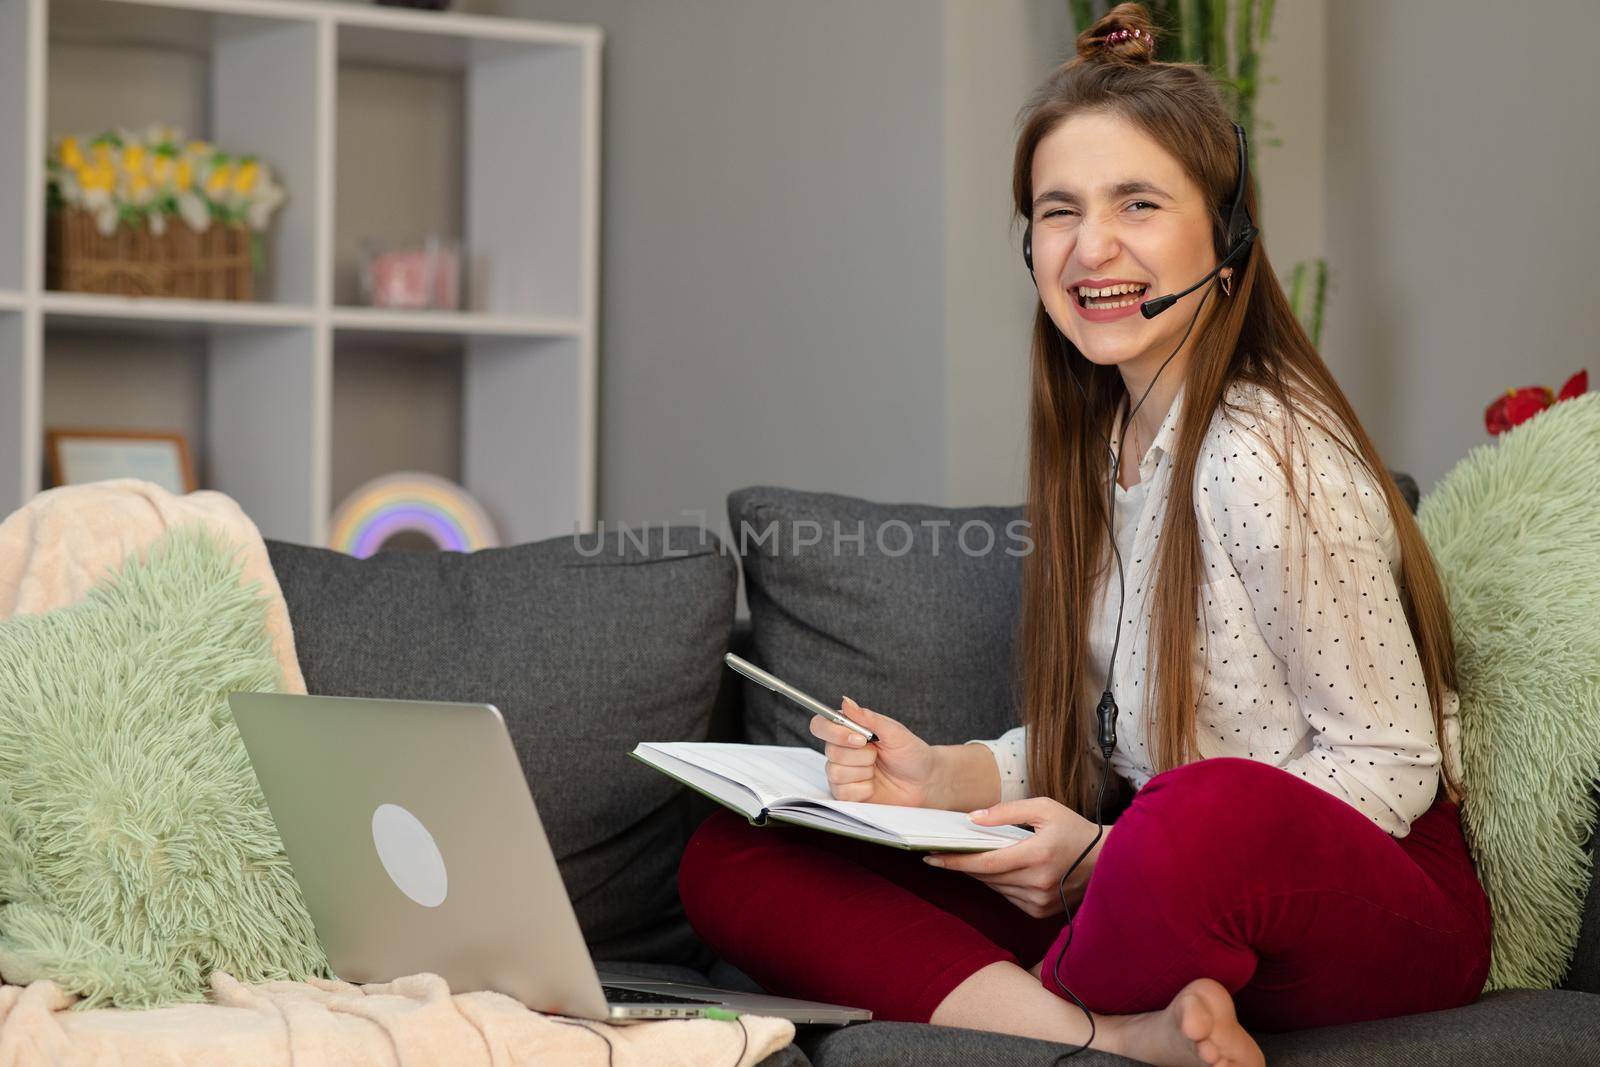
1029 872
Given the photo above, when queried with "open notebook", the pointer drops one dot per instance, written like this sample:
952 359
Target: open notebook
789 783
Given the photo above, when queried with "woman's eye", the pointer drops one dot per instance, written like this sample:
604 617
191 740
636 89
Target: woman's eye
1064 211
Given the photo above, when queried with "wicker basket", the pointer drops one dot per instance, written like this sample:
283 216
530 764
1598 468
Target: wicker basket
214 265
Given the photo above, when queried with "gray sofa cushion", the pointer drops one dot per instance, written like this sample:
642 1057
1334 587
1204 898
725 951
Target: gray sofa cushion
895 1044
1408 488
1583 971
915 620
1522 1026
585 650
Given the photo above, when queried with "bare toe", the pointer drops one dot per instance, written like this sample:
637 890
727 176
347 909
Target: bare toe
1205 1015
1199 1028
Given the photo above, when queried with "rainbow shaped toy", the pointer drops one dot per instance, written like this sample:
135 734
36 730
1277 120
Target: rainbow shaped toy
410 501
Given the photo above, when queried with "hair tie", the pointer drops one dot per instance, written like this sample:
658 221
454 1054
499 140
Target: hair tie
1123 33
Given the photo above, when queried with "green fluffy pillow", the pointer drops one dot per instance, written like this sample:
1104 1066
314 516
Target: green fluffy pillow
1515 528
137 854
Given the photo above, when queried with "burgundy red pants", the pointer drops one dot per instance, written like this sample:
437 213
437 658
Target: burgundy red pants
1227 868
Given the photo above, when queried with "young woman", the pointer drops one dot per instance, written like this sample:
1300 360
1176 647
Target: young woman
1275 635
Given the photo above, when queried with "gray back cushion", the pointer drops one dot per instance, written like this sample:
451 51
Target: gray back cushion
1583 973
1408 487
586 650
916 619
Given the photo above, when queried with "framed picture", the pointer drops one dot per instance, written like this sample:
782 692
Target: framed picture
78 456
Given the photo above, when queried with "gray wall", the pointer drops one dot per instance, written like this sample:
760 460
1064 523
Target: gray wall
772 247
877 343
810 274
809 271
1461 157
995 54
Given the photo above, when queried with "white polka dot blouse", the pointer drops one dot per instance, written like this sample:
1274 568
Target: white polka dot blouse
1304 650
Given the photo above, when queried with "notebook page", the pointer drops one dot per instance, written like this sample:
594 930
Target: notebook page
826 819
925 825
772 772
791 776
822 818
729 792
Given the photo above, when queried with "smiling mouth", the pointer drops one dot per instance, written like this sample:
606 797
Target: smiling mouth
1109 302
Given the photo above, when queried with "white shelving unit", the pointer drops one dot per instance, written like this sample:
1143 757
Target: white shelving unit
271 74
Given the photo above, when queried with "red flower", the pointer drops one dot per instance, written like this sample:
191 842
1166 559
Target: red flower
1520 405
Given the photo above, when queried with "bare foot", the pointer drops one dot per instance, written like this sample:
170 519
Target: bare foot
1198 1029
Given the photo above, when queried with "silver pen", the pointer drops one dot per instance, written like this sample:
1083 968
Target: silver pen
783 688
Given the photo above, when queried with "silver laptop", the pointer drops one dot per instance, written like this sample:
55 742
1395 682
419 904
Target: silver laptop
414 838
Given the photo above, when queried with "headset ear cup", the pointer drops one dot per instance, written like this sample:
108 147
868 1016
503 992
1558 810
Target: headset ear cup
1027 247
1239 221
1241 229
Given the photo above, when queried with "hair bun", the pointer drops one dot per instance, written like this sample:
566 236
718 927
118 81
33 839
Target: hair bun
1125 34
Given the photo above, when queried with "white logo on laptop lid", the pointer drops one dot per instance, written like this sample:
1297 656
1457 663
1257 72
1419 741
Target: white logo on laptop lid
409 855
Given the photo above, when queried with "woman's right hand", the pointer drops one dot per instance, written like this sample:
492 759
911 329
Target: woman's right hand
897 768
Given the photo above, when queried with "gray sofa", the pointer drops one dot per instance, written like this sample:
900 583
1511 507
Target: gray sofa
589 645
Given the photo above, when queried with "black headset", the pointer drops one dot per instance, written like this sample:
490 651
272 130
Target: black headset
1241 234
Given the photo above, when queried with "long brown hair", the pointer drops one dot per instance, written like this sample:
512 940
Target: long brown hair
1252 337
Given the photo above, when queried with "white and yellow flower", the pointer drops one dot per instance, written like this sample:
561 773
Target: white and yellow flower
157 173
